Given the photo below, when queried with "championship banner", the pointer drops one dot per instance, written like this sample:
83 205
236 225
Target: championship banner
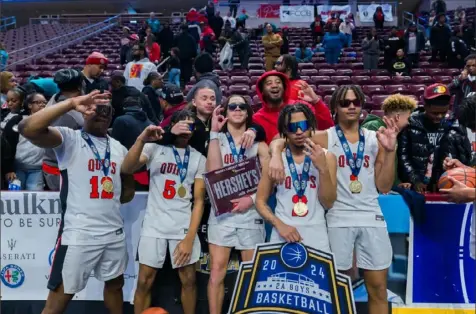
325 11
29 228
441 270
296 13
268 11
366 12
232 182
291 278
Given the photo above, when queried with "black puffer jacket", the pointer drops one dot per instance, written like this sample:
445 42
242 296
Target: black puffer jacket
414 149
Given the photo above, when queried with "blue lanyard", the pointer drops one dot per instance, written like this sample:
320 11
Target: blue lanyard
182 166
299 184
355 164
236 157
107 157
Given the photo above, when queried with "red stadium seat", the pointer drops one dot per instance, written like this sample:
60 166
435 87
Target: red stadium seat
417 90
361 80
373 90
326 89
396 89
378 100
381 80
341 80
240 80
322 79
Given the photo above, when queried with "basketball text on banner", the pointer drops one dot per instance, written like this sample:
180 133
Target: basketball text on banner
325 11
268 11
232 182
29 228
366 12
296 13
291 278
441 270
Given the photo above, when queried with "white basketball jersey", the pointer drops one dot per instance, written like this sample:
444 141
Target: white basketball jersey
286 191
250 219
90 214
355 210
168 215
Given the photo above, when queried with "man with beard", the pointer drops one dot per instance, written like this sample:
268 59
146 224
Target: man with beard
95 65
273 88
137 71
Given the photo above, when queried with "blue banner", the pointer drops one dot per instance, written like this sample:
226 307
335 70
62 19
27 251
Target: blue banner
441 270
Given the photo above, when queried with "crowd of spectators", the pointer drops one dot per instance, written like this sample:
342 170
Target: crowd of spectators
143 94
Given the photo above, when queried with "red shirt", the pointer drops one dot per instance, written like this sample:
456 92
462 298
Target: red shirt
154 52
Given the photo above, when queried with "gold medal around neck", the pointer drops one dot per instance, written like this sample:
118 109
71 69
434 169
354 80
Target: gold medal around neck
181 191
300 209
355 186
108 186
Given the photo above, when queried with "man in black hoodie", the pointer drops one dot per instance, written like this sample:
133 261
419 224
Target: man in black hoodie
204 74
439 39
391 45
120 91
166 39
414 43
187 46
458 50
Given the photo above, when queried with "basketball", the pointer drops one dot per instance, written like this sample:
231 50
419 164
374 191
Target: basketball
155 310
465 175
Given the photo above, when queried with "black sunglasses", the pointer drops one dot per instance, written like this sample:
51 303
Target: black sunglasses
232 107
346 103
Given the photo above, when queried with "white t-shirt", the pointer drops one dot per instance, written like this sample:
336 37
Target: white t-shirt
231 19
168 215
137 71
286 191
90 215
355 210
251 219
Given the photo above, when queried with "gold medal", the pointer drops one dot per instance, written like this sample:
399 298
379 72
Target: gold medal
107 185
355 186
181 191
300 209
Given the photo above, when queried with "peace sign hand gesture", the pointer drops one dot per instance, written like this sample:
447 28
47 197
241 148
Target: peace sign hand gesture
387 137
86 104
316 153
218 120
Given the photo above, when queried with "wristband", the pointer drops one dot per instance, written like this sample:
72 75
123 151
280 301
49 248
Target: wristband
213 135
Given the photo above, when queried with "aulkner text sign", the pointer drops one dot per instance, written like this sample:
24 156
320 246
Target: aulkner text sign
232 182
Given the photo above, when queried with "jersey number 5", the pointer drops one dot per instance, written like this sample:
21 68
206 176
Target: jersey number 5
95 189
169 189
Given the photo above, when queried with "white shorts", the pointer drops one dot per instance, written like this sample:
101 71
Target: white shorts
313 236
238 238
152 251
372 247
74 264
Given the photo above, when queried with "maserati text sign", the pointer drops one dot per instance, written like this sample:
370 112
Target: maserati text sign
232 182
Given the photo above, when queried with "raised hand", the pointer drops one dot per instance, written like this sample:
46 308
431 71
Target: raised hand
242 204
450 163
181 127
218 120
464 75
316 153
152 133
86 104
387 137
307 94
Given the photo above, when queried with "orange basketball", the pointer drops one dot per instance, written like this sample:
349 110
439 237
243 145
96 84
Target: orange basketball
155 310
465 175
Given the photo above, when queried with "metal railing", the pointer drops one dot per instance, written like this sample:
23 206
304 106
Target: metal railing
58 39
64 44
8 21
407 18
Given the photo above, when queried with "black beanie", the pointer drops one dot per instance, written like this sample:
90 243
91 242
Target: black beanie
203 63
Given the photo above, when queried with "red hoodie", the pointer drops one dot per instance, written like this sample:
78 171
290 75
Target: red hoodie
207 31
154 52
169 112
267 117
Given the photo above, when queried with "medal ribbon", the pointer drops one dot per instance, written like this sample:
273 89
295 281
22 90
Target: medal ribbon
182 166
238 157
107 157
299 184
355 164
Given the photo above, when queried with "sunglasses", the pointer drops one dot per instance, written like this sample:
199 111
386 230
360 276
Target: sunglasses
232 107
104 110
346 103
278 63
294 126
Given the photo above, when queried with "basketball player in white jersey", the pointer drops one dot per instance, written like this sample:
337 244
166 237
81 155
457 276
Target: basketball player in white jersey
459 192
91 236
243 228
169 222
365 165
309 186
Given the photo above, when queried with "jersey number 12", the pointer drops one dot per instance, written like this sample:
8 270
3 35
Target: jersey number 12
94 181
